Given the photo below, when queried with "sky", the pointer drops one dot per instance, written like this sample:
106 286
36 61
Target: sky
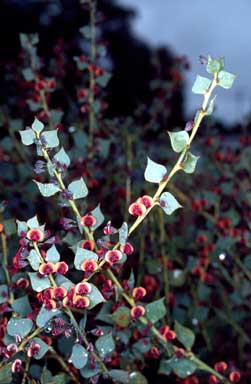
202 27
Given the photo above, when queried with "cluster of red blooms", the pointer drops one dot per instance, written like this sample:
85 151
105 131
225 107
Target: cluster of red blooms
141 205
201 269
222 367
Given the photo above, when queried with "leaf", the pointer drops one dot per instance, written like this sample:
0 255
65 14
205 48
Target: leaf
88 371
179 140
52 254
105 345
34 260
27 136
103 80
214 65
6 374
119 376
50 138
137 378
121 316
95 297
168 203
43 348
182 367
226 79
37 126
97 213
61 378
20 327
155 310
28 74
210 107
33 222
190 162
4 294
82 255
44 316
201 85
154 172
39 283
184 335
123 233
177 277
79 356
78 189
47 189
21 227
22 306
62 158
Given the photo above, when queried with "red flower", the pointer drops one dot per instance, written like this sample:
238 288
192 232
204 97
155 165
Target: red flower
83 288
221 366
35 235
88 244
88 220
59 292
61 267
138 293
137 209
16 366
81 301
47 268
113 256
89 266
235 377
127 248
146 200
137 311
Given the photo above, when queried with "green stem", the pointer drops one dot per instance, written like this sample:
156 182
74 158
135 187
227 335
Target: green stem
61 361
5 266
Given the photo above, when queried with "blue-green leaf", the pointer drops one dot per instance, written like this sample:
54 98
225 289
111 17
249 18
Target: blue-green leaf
82 255
201 85
123 233
37 126
50 138
79 356
179 140
21 227
47 189
52 254
184 335
226 79
105 345
34 260
43 348
210 107
20 327
38 283
156 310
44 316
104 79
98 216
190 162
4 294
22 306
33 222
168 203
62 157
95 297
78 189
154 172
27 136
214 65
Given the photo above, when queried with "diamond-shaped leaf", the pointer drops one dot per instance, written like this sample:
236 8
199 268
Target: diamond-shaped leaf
47 189
97 213
37 126
190 162
168 203
43 348
226 79
52 254
155 310
50 138
179 140
214 65
34 260
105 345
184 335
62 157
123 233
154 172
95 297
22 306
38 283
27 136
20 327
78 189
44 316
82 255
79 356
201 85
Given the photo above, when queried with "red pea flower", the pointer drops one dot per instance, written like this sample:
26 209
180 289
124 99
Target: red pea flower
35 235
137 209
137 311
113 256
